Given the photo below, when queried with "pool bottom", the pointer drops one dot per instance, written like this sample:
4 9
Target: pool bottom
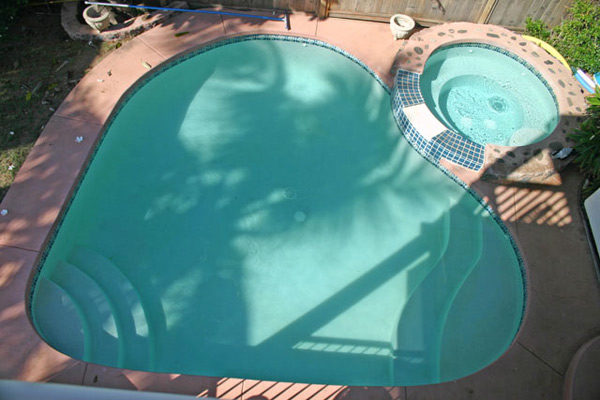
223 263
488 95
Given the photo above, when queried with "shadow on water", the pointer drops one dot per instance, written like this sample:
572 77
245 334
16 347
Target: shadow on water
220 218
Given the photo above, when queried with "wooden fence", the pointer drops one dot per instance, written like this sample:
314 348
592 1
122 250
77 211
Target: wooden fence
309 6
512 14
508 13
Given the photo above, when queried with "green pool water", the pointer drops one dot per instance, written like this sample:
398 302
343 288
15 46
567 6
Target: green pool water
254 212
487 96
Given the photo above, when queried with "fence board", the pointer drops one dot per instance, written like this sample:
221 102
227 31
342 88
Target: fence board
421 10
513 14
295 5
554 15
508 13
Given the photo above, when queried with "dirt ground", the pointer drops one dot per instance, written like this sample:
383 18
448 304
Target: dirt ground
39 66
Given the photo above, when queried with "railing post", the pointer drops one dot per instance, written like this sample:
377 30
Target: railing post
323 8
486 14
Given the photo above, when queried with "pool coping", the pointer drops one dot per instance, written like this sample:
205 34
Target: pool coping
55 165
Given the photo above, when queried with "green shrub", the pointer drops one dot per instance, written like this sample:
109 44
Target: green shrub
8 10
587 143
537 28
577 38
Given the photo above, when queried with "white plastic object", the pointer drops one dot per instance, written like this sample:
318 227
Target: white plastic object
98 17
401 25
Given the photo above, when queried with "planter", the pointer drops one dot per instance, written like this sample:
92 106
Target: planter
401 25
98 17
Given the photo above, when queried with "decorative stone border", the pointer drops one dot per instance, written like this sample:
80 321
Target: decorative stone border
530 163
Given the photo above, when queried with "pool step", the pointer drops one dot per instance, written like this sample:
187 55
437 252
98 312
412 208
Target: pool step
431 302
58 319
101 333
135 340
470 234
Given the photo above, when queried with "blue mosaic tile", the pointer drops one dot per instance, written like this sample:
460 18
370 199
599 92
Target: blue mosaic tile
448 144
460 150
408 88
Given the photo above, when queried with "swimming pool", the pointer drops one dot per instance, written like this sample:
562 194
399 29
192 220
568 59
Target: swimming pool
260 232
488 96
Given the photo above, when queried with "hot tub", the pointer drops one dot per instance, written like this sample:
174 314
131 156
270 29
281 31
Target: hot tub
488 96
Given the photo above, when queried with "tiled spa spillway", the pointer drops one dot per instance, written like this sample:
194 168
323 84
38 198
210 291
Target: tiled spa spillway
429 136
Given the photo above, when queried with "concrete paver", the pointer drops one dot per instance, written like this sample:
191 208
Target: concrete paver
517 375
96 95
371 42
564 293
23 354
182 33
45 182
254 389
300 24
201 386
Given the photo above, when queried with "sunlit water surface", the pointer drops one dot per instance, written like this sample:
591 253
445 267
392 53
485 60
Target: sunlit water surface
487 96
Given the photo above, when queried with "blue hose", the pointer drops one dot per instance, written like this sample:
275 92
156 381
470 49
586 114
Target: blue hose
286 19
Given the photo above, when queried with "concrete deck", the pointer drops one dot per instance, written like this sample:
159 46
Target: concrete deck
563 304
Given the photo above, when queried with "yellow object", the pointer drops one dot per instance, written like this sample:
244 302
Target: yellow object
551 50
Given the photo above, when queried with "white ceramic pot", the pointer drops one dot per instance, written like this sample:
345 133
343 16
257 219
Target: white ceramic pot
401 25
97 17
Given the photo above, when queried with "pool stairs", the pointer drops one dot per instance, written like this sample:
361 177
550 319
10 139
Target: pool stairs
87 308
430 304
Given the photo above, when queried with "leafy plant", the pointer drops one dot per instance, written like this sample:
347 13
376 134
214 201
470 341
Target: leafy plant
537 28
587 143
577 38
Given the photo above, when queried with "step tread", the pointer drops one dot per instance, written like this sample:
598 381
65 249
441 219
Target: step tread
130 313
58 320
97 308
444 280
